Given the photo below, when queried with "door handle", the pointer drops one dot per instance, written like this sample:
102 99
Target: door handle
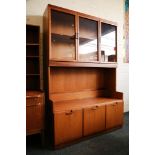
69 113
94 108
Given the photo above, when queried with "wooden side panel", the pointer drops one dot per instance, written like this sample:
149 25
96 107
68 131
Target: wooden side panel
94 120
119 113
67 126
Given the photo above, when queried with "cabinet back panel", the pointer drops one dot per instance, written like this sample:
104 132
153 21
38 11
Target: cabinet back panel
63 80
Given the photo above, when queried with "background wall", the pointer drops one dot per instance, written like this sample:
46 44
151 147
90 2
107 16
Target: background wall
112 10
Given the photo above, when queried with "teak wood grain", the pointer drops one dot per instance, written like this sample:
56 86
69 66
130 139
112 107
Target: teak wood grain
67 126
34 112
114 114
83 103
94 119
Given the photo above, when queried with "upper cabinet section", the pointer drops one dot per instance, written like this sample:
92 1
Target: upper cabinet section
76 39
108 43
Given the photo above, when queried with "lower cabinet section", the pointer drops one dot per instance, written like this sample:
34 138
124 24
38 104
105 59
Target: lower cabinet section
67 126
114 115
75 124
94 120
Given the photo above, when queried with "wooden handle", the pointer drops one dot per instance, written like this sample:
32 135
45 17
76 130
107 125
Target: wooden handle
94 108
69 113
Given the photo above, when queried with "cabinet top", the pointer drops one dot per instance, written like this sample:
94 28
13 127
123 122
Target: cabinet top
54 7
33 94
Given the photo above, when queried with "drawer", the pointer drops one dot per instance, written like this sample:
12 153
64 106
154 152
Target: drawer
32 101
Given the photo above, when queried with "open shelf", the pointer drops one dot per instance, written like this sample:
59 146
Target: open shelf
32 57
32 82
32 34
32 50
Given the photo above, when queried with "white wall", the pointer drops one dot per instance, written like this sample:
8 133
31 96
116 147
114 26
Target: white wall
107 9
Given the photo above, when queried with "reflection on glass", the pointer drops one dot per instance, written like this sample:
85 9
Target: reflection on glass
87 40
63 35
108 43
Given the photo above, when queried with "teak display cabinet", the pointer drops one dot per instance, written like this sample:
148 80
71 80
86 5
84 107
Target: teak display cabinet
80 60
34 95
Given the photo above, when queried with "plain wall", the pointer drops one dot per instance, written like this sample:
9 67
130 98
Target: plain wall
112 10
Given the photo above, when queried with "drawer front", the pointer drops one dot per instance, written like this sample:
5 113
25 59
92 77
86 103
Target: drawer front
31 101
94 120
67 126
34 114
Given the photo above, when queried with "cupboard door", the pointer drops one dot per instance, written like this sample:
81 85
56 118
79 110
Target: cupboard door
34 115
108 43
94 120
88 39
67 126
114 115
63 40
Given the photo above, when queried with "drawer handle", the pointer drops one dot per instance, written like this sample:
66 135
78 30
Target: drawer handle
69 113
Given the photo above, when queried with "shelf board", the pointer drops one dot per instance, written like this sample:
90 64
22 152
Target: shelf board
81 64
63 35
32 44
32 74
32 56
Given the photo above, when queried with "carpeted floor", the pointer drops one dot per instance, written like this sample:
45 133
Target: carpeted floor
114 143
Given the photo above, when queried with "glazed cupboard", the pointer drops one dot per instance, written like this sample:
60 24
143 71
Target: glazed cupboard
80 62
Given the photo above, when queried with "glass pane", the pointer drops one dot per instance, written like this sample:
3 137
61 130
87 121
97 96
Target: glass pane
88 30
108 43
63 35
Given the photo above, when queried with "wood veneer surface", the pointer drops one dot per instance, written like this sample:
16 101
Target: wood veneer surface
82 103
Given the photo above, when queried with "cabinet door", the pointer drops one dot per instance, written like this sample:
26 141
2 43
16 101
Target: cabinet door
67 126
94 120
108 43
34 115
88 39
63 38
114 115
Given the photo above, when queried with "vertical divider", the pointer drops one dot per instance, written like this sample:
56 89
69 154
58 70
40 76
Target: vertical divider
99 41
77 35
50 34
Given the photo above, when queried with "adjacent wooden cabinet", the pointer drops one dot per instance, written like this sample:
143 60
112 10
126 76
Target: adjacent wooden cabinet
34 95
80 63
34 112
